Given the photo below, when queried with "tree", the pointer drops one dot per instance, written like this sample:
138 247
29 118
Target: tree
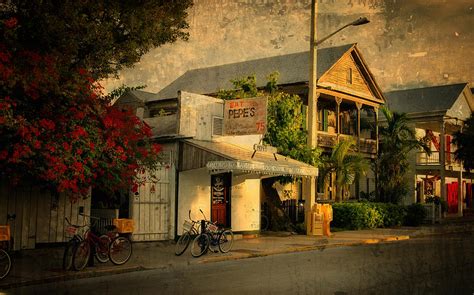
465 143
285 120
344 164
100 36
57 129
397 139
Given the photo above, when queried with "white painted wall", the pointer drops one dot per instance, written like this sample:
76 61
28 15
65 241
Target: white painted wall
245 203
194 194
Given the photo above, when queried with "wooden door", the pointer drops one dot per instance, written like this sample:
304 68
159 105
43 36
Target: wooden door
220 199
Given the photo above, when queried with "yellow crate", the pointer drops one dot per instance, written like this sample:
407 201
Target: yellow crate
4 232
124 225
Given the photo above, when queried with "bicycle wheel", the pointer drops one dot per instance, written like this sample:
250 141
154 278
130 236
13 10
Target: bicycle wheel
102 249
182 243
69 253
5 263
120 250
200 245
226 240
81 255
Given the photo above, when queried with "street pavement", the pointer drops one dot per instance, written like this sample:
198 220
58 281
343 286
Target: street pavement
42 266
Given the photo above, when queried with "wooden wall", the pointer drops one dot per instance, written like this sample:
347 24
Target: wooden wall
39 215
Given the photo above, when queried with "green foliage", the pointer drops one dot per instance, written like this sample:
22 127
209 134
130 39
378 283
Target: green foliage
117 92
416 213
345 164
465 143
285 119
373 215
397 139
100 36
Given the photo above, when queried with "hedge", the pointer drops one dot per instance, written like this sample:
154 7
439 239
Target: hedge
372 215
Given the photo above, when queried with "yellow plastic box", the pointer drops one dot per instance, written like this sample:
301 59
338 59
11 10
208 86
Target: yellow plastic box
124 225
4 232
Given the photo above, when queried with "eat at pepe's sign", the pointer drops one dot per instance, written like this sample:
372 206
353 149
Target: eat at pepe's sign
245 116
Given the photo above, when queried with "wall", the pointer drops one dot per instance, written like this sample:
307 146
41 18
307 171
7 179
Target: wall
194 194
196 113
407 43
40 216
245 203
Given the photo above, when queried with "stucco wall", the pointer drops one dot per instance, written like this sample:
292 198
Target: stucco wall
194 194
245 203
407 43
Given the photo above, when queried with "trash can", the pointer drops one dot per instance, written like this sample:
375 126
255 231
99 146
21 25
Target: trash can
327 218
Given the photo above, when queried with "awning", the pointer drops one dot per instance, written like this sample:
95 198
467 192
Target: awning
238 158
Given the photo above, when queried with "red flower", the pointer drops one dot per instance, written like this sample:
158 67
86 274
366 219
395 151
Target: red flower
11 22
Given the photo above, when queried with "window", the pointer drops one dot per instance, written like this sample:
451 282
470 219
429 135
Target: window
349 76
217 126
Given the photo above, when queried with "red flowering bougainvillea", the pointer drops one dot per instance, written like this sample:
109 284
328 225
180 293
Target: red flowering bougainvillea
58 129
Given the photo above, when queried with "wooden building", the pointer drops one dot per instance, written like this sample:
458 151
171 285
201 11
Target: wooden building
347 103
436 113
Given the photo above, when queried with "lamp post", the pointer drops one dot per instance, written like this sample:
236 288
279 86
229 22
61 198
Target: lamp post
309 185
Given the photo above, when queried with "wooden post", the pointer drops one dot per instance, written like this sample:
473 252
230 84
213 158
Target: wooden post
338 118
442 166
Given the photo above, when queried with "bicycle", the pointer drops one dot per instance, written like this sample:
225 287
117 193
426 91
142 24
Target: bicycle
5 259
111 246
210 237
190 230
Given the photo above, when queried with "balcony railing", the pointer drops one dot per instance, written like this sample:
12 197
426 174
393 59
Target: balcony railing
329 140
423 158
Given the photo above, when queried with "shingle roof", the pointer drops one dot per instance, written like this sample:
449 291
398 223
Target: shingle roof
426 99
293 68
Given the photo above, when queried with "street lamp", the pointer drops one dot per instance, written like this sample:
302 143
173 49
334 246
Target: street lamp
309 187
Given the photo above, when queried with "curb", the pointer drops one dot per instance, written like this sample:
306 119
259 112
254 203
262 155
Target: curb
304 249
68 276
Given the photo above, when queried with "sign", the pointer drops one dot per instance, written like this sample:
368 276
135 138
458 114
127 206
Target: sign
264 148
245 116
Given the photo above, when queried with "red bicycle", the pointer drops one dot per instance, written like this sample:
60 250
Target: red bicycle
111 246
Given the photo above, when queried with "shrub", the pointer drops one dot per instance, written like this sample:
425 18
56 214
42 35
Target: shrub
416 213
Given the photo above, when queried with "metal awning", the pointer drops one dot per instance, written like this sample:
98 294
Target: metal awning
238 158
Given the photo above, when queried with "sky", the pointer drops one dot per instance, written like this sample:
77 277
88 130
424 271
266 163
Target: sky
407 44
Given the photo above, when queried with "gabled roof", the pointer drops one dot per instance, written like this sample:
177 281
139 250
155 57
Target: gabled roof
426 99
293 68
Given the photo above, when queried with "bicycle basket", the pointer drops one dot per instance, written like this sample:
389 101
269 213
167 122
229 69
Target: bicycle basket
187 225
4 232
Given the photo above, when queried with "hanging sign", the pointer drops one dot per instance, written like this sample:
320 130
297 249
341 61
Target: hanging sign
245 116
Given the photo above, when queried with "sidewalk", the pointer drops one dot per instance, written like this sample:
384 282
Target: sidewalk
44 265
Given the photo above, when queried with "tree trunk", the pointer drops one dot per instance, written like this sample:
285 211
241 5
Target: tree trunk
338 194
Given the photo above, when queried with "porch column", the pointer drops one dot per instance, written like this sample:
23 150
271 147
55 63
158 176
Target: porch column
376 111
359 107
460 189
442 163
338 119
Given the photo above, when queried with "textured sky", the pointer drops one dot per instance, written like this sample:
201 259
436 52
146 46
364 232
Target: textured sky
408 43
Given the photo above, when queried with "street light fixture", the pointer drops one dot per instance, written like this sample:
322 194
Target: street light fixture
358 22
309 187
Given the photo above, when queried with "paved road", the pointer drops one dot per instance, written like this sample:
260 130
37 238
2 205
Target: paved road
433 265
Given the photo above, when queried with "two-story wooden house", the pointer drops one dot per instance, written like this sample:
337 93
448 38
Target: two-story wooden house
347 103
436 113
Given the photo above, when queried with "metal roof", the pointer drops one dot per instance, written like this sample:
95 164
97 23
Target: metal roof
293 68
239 158
425 99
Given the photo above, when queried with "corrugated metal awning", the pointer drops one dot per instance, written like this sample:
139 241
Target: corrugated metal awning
238 158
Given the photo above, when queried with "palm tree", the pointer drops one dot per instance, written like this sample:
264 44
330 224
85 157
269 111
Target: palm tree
397 139
344 164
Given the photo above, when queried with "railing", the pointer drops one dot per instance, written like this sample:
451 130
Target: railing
330 139
423 158
293 210
433 213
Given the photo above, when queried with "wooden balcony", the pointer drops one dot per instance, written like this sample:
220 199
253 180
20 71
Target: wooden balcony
329 140
423 159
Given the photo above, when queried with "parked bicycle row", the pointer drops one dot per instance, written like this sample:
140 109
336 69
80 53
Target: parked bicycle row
205 236
85 244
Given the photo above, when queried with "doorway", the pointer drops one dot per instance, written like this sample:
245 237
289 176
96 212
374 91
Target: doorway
220 199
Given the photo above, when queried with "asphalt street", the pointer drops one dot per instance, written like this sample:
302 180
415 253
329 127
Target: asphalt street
442 264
